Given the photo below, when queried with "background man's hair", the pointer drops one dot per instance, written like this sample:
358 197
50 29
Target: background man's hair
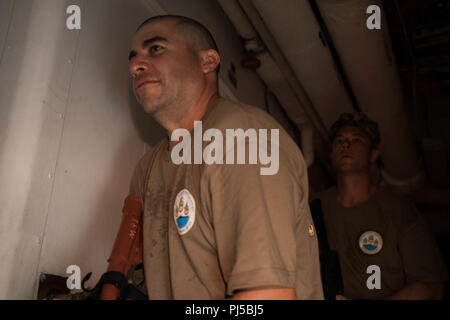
360 120
200 35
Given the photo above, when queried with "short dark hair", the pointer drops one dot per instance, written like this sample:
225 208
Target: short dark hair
359 120
204 38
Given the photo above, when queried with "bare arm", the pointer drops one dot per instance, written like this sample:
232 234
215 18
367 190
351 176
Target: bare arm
419 291
266 294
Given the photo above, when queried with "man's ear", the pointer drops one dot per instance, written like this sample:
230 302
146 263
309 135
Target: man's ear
210 60
374 154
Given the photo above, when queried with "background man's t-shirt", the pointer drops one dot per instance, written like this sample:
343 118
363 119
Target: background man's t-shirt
408 253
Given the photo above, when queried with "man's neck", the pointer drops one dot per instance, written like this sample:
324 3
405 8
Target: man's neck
193 111
354 189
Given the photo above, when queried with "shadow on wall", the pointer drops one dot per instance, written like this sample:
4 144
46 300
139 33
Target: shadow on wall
151 133
8 78
101 231
149 130
97 245
38 202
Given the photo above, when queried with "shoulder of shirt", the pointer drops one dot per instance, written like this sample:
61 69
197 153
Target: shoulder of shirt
383 194
401 209
228 114
392 197
324 194
144 161
240 115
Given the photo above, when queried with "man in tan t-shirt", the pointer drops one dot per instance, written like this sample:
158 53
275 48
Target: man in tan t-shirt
384 246
215 229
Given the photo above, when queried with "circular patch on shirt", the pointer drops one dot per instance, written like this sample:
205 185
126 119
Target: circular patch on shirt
184 211
370 242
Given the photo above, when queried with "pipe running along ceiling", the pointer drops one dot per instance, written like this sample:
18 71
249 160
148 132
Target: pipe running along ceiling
307 64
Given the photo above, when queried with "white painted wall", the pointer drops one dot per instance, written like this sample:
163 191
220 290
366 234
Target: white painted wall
71 131
69 136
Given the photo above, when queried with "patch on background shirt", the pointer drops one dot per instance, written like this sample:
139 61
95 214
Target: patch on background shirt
370 242
184 211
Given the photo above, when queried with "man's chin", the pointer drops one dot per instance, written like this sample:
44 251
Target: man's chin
151 106
151 109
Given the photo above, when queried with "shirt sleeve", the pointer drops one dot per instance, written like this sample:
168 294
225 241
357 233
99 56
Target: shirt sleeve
255 218
420 254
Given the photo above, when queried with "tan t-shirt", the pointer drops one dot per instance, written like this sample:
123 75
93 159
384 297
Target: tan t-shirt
211 230
386 231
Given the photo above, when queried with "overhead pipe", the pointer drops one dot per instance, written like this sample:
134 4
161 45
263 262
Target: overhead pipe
285 68
369 63
242 25
303 44
271 74
274 79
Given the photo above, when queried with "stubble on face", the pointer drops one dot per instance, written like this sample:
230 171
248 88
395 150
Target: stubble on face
151 97
171 70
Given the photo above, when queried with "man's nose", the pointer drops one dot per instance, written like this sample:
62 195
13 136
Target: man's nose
346 144
138 65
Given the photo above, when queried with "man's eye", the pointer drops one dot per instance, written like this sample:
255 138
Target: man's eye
155 48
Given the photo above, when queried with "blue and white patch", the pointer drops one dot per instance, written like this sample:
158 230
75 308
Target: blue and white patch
184 211
370 242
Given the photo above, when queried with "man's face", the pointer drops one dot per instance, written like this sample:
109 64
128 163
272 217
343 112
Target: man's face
352 151
164 66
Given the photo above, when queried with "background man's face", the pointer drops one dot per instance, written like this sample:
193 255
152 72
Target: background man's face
164 66
351 151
